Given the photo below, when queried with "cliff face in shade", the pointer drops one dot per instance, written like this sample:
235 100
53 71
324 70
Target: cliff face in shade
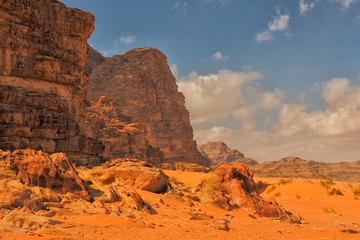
43 46
141 82
220 153
121 138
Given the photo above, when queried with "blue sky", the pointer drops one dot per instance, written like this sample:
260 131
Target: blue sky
283 75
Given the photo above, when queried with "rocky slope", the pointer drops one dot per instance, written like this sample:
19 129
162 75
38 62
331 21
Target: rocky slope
293 167
220 153
121 138
141 83
43 46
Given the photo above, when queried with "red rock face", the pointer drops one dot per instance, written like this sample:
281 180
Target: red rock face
35 168
141 82
236 181
43 87
121 138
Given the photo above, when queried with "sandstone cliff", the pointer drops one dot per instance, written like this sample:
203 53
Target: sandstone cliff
43 46
220 153
121 138
292 167
141 82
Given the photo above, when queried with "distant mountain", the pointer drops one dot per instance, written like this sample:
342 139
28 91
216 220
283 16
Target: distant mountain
220 153
291 167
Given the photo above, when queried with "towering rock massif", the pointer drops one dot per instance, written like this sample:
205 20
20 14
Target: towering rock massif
43 46
220 153
141 83
121 138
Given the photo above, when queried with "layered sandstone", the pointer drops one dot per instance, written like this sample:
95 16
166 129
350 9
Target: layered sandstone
220 153
237 189
43 46
141 82
294 167
121 138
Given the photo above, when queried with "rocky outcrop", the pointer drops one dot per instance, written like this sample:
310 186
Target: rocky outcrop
94 59
141 82
294 167
185 167
237 189
121 138
33 180
35 168
140 175
220 153
43 46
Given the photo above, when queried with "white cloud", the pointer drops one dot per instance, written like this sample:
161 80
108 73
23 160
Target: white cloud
344 3
218 56
271 100
220 1
306 6
264 36
127 39
181 5
174 70
323 135
279 23
233 95
117 45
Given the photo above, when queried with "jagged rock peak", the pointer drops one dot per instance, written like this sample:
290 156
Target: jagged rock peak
43 49
220 153
141 83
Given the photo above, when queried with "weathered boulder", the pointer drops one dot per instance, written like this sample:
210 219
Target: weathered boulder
220 153
141 82
122 139
140 175
236 188
35 168
43 47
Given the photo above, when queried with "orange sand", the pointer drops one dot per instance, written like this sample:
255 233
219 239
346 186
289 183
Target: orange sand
173 218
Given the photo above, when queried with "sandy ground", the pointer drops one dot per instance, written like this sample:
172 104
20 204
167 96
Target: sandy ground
328 217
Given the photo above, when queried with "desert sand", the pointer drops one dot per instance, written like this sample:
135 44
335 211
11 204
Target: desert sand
327 217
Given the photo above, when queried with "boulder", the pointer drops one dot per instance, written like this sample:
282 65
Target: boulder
140 175
234 182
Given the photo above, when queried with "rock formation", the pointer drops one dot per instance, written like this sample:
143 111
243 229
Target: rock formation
185 167
141 82
220 153
35 168
121 138
294 167
43 87
237 189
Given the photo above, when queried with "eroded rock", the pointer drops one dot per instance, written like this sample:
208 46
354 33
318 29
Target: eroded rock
141 82
234 187
35 168
140 175
220 153
43 86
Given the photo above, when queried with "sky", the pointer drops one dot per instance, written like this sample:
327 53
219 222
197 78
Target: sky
270 78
